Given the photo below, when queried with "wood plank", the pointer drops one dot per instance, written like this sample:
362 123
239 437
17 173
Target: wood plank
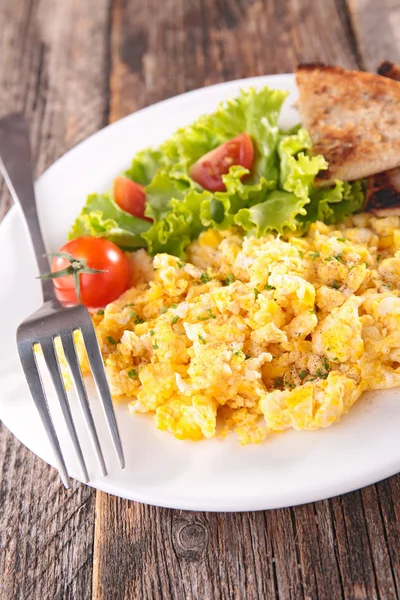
190 44
320 570
376 26
322 550
331 549
53 67
46 533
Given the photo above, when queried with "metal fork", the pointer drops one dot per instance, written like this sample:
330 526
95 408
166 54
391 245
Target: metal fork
53 320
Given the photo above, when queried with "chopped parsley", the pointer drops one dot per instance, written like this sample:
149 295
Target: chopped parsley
155 345
202 340
303 374
205 278
111 340
136 319
237 353
100 313
174 306
163 310
320 374
301 253
210 315
269 287
278 382
341 240
132 374
175 320
229 279
314 255
126 305
338 257
335 284
181 264
256 293
247 356
151 332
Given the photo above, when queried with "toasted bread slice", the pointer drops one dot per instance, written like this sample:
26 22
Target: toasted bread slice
353 119
383 191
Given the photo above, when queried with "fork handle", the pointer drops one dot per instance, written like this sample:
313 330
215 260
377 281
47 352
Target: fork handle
16 166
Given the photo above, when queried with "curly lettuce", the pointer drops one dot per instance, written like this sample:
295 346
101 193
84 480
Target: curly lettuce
334 204
278 213
101 217
277 195
179 226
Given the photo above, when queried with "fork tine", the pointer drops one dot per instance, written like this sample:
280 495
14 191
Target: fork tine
100 378
73 363
51 359
32 374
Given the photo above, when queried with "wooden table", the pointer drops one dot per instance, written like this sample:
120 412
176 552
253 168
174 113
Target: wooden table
73 66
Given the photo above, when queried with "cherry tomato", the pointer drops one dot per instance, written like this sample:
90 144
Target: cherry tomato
130 197
208 170
96 289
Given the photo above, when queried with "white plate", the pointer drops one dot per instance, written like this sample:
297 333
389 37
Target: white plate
287 469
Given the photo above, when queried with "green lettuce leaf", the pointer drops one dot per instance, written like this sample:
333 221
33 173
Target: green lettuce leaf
352 200
219 212
101 217
168 184
297 169
334 204
145 165
179 226
253 111
278 213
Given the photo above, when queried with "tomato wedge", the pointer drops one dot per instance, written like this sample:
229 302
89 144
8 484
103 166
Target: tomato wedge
130 197
96 289
208 170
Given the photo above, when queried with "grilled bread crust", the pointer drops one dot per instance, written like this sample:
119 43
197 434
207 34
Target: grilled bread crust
353 119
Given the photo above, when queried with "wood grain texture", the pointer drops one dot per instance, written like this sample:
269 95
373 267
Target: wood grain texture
54 68
376 26
160 49
46 533
342 548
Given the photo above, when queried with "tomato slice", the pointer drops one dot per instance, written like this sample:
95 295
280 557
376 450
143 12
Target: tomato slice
130 197
208 170
96 289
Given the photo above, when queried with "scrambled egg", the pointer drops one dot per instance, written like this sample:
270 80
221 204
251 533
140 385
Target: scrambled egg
265 334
